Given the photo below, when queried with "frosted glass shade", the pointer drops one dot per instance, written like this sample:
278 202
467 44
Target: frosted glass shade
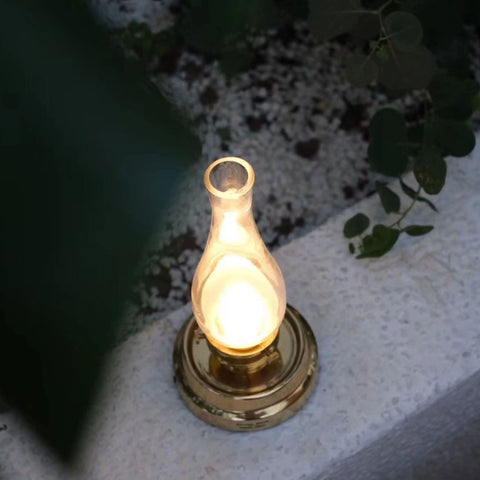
238 291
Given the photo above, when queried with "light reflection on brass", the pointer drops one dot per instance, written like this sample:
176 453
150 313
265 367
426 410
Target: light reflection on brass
252 372
249 392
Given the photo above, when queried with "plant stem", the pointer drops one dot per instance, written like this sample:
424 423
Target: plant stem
429 103
372 12
372 52
384 6
407 211
377 12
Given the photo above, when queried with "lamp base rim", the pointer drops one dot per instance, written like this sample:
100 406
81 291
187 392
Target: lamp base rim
247 393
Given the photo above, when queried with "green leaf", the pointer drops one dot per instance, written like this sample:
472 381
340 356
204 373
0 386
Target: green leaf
408 190
430 169
476 103
164 41
293 9
415 138
417 230
473 13
236 60
212 26
330 18
379 242
356 225
404 29
366 27
404 71
390 200
443 26
387 151
351 248
412 194
453 98
453 137
63 293
360 70
382 53
138 35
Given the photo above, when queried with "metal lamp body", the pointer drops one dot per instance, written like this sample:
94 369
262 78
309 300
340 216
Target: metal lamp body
245 360
246 393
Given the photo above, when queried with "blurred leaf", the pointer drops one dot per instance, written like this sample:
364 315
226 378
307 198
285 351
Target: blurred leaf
412 194
476 103
164 41
366 27
212 26
430 169
472 13
404 29
351 248
404 71
417 230
379 242
356 225
453 98
387 151
443 32
294 9
99 157
382 53
390 200
360 70
415 138
454 138
233 61
138 35
372 4
330 18
453 55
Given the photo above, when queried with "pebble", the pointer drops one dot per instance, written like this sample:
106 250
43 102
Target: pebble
293 117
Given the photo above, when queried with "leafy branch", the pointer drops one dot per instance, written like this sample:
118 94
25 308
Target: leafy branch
399 60
404 45
383 238
408 209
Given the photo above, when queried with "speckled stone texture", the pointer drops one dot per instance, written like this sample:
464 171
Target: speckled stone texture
396 336
292 115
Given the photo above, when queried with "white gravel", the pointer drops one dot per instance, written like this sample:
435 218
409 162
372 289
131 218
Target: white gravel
296 93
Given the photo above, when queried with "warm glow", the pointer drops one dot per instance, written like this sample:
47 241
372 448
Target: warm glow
242 314
238 292
239 304
230 230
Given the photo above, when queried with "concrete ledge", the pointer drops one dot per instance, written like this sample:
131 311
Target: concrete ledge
441 442
395 336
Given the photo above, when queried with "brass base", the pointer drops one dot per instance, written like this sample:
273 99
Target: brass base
247 392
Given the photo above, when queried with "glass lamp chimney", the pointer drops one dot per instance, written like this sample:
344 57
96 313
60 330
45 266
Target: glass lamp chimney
238 290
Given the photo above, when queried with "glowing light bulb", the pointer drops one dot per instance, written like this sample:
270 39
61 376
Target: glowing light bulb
238 291
242 314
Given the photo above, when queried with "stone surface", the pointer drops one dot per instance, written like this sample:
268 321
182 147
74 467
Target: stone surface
395 336
292 114
441 442
295 118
